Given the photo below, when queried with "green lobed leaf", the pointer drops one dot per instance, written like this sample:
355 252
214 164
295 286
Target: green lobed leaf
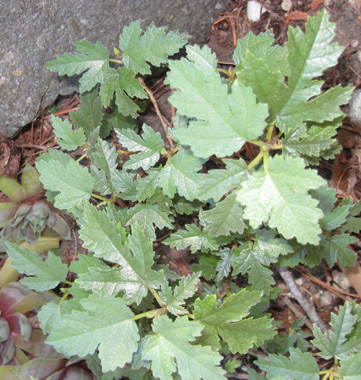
350 368
250 261
202 57
225 218
146 215
134 257
224 265
279 198
60 173
262 46
45 275
353 222
180 175
217 183
227 321
170 350
317 140
291 367
337 250
154 46
90 113
146 186
308 55
193 237
67 138
337 344
175 299
104 324
150 145
91 57
225 118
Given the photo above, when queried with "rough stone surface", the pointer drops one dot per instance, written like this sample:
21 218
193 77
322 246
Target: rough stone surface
33 31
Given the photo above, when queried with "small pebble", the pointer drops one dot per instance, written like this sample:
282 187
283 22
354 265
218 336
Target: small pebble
355 107
286 5
354 43
340 281
254 11
326 299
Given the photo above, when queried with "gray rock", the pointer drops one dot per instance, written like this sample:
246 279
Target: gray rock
33 31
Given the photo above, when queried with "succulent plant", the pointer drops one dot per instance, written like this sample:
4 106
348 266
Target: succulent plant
29 219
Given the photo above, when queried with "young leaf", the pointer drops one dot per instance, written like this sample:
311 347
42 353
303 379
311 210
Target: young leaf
92 57
202 57
291 367
225 117
193 237
350 368
227 321
251 262
105 324
174 299
180 175
279 197
224 264
337 344
90 113
44 275
146 186
262 46
218 182
146 215
170 350
150 144
337 250
60 173
154 46
135 276
308 55
67 138
225 218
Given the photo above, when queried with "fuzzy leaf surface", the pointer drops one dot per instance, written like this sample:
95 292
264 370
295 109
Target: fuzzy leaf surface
180 175
251 262
262 46
135 258
225 119
146 215
174 299
218 182
193 237
202 57
350 368
227 321
337 250
104 324
225 218
290 368
280 199
90 113
337 344
67 138
154 46
61 174
92 58
149 146
170 349
45 275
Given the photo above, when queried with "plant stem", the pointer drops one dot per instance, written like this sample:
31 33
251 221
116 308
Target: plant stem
269 132
156 296
256 160
81 157
147 314
101 198
116 61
